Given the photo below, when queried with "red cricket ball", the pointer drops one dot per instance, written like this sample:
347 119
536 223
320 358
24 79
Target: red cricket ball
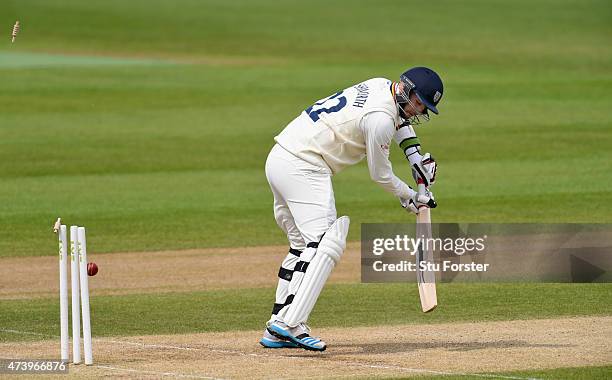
92 269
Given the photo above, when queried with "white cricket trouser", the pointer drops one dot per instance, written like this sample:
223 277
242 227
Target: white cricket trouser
304 208
304 205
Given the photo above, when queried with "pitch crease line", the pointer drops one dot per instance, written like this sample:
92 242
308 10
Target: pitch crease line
27 333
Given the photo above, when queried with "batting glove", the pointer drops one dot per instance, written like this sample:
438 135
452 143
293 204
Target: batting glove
412 205
425 170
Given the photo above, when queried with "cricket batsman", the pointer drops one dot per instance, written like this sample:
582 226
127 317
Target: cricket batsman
336 132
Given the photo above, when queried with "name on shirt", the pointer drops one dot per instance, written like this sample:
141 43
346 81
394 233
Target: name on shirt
362 95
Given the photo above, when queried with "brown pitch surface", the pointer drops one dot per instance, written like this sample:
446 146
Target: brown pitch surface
386 351
163 271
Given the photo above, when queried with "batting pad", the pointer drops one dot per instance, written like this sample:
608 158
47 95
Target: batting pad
327 256
297 278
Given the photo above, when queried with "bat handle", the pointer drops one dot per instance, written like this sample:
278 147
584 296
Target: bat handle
421 189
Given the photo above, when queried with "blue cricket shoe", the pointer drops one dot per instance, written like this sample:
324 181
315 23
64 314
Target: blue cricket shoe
270 341
299 335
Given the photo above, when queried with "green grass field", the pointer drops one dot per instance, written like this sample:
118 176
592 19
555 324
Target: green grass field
143 127
592 373
243 309
150 121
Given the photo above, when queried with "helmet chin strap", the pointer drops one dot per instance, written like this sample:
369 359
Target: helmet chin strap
400 109
402 113
401 98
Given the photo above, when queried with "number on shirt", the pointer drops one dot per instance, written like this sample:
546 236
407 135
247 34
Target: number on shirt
324 106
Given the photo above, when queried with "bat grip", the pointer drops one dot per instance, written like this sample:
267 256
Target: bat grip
421 189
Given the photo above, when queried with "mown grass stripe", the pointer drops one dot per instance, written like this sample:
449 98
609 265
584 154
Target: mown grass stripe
340 305
22 60
572 373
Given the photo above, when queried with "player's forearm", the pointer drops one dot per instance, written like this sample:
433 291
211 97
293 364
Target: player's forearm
391 183
409 144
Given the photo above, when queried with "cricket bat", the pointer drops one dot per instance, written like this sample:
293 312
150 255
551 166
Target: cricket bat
426 279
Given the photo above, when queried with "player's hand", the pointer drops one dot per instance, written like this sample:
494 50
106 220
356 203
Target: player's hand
409 205
418 200
425 170
426 200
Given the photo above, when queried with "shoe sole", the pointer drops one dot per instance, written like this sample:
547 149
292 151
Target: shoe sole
266 343
279 334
